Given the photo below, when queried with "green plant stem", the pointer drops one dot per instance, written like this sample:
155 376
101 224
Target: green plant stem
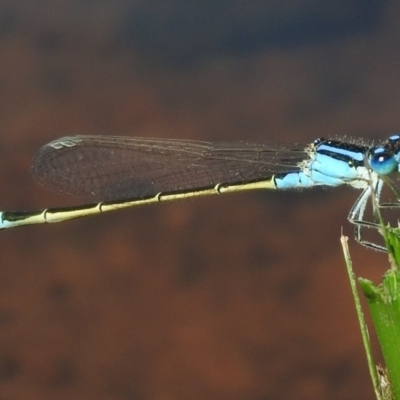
384 305
361 319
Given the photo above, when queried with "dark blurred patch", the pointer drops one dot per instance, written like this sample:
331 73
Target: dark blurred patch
8 20
55 81
180 33
293 287
6 317
64 373
9 367
341 373
51 41
59 291
192 267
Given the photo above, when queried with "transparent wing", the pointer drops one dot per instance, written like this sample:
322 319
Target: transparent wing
118 168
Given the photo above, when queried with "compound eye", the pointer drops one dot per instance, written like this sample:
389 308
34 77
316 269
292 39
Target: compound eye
382 161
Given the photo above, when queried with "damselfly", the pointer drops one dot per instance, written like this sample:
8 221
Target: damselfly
121 172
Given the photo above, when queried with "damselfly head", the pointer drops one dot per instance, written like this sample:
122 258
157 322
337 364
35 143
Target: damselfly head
382 160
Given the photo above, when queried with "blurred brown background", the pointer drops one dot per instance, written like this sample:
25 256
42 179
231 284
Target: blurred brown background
232 297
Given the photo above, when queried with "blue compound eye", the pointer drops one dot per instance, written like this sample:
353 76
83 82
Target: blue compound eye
382 161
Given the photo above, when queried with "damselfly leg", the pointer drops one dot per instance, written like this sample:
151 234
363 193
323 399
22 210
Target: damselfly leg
371 200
